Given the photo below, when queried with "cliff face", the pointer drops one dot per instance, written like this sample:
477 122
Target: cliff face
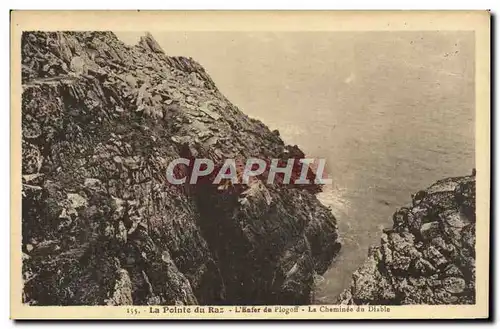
100 123
428 257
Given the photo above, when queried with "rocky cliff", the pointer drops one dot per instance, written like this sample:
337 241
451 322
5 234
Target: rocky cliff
428 256
100 122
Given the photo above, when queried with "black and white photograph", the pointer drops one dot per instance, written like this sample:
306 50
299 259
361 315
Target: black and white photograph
297 171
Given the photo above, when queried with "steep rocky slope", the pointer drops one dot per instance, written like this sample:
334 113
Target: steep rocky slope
100 122
428 257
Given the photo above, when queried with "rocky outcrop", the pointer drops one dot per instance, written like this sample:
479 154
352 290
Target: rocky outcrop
428 257
100 226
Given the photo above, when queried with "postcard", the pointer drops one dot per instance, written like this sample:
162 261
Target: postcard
250 164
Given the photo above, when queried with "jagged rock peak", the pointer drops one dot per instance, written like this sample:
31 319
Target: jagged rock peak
149 43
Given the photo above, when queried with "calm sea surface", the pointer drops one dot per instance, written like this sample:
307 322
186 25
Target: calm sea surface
390 111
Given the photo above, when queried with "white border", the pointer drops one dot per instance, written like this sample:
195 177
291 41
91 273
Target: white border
185 4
